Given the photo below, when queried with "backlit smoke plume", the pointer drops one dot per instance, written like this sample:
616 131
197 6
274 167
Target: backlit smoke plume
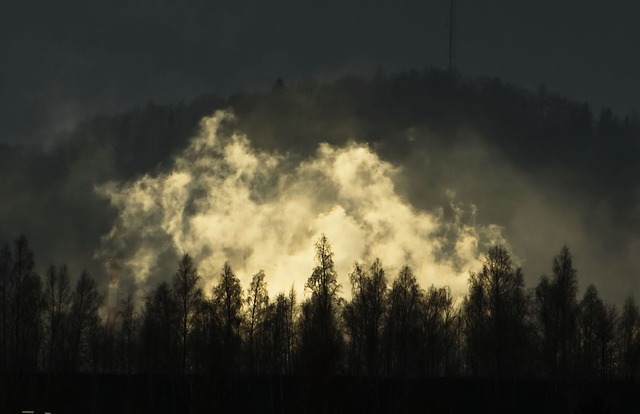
223 200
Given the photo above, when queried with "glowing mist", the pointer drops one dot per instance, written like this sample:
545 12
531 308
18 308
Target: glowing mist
223 200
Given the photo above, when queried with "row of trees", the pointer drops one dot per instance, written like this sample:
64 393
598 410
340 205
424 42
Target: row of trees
499 329
45 325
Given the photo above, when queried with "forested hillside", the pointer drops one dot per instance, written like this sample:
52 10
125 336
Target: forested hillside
476 136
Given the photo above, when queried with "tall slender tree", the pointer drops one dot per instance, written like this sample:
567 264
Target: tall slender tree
161 332
127 336
227 300
629 341
375 305
597 322
439 330
275 336
556 310
5 274
25 306
403 334
321 337
566 287
496 313
86 301
257 302
187 295
364 317
57 298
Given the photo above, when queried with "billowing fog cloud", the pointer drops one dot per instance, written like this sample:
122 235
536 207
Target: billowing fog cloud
222 200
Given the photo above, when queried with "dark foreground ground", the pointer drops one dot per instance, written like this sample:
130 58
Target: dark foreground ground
206 394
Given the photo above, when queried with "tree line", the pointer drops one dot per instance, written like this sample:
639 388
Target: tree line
387 329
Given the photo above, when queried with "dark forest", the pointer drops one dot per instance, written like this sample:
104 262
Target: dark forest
394 346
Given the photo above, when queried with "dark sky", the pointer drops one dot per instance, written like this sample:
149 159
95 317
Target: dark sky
65 59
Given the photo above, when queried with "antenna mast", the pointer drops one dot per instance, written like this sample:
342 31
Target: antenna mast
452 36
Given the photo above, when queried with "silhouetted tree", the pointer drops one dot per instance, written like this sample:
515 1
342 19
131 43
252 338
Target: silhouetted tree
5 274
597 323
591 307
257 302
403 332
24 309
98 351
276 335
292 342
227 299
57 299
607 122
629 339
606 333
320 333
127 337
439 330
566 287
364 318
476 332
556 311
496 316
161 332
187 295
86 301
207 339
547 325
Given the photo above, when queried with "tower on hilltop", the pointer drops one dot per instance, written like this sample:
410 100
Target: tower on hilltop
452 36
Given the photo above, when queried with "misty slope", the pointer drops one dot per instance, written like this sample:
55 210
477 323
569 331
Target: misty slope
540 165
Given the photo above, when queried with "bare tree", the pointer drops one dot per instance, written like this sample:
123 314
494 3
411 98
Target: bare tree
496 314
127 336
403 333
597 322
207 339
545 313
565 288
227 299
591 307
630 339
257 302
24 307
364 317
291 337
5 274
475 310
275 336
187 295
57 298
439 330
86 301
606 331
556 310
161 331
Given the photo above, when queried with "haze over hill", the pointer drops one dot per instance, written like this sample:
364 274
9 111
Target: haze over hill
469 161
65 61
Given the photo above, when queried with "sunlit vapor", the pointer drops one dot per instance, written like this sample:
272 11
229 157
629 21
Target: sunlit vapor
224 200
